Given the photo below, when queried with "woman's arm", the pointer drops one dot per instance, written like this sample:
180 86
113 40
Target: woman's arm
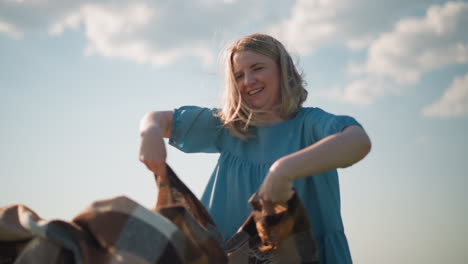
336 151
153 127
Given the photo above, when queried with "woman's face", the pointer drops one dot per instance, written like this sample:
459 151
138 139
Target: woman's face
257 77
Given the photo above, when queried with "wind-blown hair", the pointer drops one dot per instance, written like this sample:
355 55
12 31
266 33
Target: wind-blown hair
235 114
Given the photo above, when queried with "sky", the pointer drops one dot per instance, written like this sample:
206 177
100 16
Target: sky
76 77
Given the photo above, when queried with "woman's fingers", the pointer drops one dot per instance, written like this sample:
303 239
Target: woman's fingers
275 189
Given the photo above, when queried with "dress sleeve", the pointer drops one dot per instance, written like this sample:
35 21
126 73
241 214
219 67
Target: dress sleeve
322 124
195 129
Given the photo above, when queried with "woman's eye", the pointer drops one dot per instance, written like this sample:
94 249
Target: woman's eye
258 68
238 77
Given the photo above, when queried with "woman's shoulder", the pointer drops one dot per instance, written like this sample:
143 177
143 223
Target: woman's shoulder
196 108
195 129
310 110
193 111
316 113
317 117
310 113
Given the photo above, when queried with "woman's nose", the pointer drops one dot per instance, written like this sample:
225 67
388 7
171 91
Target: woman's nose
249 79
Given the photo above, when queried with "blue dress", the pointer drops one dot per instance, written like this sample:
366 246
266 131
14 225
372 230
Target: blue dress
242 166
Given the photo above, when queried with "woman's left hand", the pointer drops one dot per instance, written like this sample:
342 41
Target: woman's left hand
276 186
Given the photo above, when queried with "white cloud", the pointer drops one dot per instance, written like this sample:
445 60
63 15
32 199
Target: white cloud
410 47
314 23
305 24
416 46
156 32
454 102
125 32
114 32
363 91
10 30
162 32
33 15
359 43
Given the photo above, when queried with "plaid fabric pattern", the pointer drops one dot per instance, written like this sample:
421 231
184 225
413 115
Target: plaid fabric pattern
178 204
274 233
177 230
117 230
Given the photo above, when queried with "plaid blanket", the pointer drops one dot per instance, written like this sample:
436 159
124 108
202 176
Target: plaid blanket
177 230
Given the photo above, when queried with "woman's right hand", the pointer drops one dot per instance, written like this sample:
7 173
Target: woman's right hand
153 151
153 128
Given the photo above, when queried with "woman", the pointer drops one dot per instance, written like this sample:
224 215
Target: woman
267 143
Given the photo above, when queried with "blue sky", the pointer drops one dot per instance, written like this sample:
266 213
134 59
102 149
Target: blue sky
77 76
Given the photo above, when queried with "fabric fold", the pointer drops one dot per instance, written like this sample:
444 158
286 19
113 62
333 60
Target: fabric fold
178 230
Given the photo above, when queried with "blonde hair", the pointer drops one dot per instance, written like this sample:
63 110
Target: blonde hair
235 114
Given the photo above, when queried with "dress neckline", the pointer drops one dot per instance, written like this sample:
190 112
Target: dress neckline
281 123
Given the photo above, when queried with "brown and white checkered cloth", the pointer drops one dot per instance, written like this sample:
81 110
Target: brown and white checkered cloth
177 230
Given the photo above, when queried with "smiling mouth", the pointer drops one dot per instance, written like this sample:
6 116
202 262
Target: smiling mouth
256 91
